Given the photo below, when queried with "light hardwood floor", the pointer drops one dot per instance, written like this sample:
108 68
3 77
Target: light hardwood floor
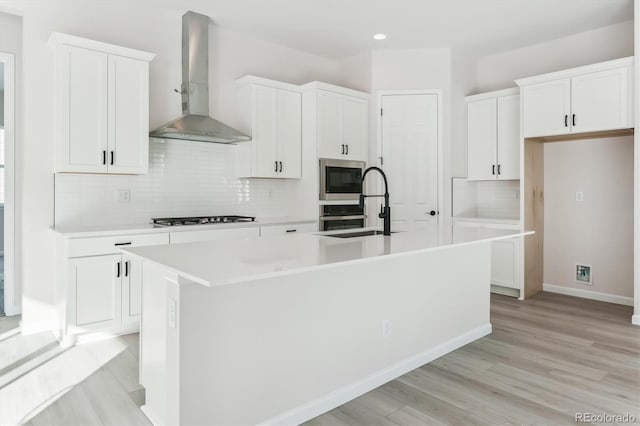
548 358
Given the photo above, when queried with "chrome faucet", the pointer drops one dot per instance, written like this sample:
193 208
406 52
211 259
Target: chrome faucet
385 212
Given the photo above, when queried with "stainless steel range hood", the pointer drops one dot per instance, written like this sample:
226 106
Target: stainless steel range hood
195 124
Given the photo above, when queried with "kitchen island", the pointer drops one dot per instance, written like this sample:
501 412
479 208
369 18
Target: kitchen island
279 330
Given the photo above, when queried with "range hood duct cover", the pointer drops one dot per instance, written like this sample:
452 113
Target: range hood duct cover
196 124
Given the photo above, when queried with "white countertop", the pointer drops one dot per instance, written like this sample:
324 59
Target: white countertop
148 228
214 263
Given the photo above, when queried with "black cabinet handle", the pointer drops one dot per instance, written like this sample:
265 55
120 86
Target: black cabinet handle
128 243
280 166
566 120
276 163
113 157
118 270
573 120
126 268
347 149
104 157
342 149
291 230
493 169
499 165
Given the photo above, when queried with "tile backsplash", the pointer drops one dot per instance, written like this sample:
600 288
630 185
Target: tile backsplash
185 179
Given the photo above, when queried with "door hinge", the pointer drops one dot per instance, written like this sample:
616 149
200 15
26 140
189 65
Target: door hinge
380 112
381 161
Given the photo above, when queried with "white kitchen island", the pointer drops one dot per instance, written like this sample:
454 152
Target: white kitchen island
279 330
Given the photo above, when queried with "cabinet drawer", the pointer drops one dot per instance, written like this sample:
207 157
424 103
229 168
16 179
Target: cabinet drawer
213 235
80 247
297 228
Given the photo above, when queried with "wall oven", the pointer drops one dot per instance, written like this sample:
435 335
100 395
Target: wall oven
340 179
341 216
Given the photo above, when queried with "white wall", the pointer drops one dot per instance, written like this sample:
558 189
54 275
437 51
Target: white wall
414 69
498 71
139 27
595 231
11 42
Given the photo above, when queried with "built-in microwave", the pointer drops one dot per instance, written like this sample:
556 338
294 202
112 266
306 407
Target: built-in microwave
340 179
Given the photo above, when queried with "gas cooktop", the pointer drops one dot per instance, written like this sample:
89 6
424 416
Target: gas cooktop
200 220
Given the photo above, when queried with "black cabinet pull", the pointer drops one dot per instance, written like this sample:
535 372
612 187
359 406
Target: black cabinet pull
280 166
291 230
493 169
499 165
347 149
126 268
566 120
573 120
104 158
118 270
128 243
276 163
342 149
113 157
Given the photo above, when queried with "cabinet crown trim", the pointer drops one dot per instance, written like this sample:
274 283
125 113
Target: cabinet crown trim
572 72
252 79
493 94
319 85
60 39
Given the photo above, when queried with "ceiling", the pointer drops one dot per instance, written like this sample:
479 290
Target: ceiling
340 28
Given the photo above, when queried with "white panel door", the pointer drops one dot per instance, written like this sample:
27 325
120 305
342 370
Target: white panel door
95 291
289 134
131 289
355 130
509 137
600 101
547 107
128 115
82 119
264 131
330 143
410 160
482 139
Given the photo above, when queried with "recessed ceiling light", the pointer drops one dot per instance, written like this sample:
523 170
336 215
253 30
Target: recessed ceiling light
380 36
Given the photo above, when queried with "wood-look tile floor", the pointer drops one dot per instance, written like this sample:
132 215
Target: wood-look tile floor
547 359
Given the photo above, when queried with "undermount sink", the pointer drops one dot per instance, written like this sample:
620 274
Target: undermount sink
357 234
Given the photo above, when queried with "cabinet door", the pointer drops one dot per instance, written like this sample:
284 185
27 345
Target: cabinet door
95 291
503 263
264 135
547 108
289 134
81 116
330 125
131 289
509 137
355 128
600 101
128 116
481 139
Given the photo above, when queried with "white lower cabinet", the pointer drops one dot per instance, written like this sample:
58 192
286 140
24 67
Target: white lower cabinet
299 228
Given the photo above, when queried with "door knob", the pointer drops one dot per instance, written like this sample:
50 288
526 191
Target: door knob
432 212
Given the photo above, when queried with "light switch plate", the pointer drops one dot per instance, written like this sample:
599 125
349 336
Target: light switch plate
579 196
172 313
123 195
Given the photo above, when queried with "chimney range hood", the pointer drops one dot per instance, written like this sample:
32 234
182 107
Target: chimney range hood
196 124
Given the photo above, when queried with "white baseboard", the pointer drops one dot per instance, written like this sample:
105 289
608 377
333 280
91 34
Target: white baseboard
635 320
588 294
341 396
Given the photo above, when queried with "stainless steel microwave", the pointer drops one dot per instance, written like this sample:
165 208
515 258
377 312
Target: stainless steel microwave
340 179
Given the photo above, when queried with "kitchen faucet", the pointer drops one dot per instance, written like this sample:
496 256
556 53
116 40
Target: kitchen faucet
385 212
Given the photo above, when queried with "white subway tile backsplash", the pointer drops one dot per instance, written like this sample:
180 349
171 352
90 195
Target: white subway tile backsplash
185 179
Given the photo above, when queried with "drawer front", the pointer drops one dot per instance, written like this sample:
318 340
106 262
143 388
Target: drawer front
298 228
213 235
81 247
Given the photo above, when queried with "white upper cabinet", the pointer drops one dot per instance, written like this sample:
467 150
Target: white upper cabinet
271 113
102 107
593 98
493 135
342 126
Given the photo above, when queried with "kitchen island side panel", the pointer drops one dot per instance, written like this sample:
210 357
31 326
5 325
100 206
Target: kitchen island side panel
286 347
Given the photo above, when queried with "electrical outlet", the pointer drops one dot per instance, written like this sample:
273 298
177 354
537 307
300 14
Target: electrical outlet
123 195
386 328
579 196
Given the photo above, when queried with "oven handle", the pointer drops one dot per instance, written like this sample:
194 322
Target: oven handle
331 218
